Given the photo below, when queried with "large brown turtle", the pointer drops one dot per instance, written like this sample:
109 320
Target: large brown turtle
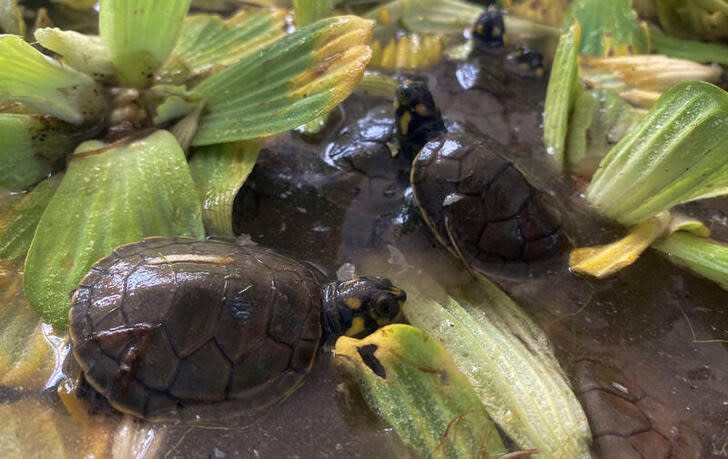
165 324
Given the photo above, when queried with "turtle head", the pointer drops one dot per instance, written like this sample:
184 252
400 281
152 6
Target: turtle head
418 118
489 29
359 306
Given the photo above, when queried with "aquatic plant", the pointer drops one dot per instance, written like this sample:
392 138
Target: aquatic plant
155 87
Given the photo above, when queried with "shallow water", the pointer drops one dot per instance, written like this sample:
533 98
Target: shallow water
655 336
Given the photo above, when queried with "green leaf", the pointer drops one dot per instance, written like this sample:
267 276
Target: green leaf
307 12
111 195
700 19
140 35
283 85
598 121
608 28
706 257
17 226
439 16
31 146
507 358
219 171
560 94
208 43
41 83
87 53
677 153
698 51
11 18
409 379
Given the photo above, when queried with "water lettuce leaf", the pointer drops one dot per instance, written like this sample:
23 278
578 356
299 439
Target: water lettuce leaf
560 94
140 35
219 172
208 43
407 52
699 19
285 84
409 379
439 16
677 153
110 195
704 256
599 119
694 50
87 53
17 225
507 358
31 146
44 85
609 28
306 12
642 79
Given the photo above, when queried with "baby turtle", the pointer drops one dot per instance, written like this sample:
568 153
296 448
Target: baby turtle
168 323
476 201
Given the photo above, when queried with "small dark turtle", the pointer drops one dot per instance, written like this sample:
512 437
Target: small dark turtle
477 203
527 62
418 117
164 324
489 28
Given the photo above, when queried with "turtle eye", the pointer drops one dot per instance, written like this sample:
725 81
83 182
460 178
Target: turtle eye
386 308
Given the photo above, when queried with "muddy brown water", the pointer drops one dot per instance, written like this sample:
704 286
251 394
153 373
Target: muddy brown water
646 349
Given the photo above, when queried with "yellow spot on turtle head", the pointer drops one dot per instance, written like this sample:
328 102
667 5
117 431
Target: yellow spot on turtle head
357 326
404 121
497 31
422 110
353 303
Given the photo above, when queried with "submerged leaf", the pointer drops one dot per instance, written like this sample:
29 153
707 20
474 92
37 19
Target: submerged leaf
677 153
706 257
508 360
41 83
439 16
140 35
283 85
599 119
219 171
32 429
560 94
111 195
551 12
409 379
17 226
28 355
32 146
209 43
87 53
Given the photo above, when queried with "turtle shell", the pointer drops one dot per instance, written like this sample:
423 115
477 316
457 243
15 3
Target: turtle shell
479 205
163 324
